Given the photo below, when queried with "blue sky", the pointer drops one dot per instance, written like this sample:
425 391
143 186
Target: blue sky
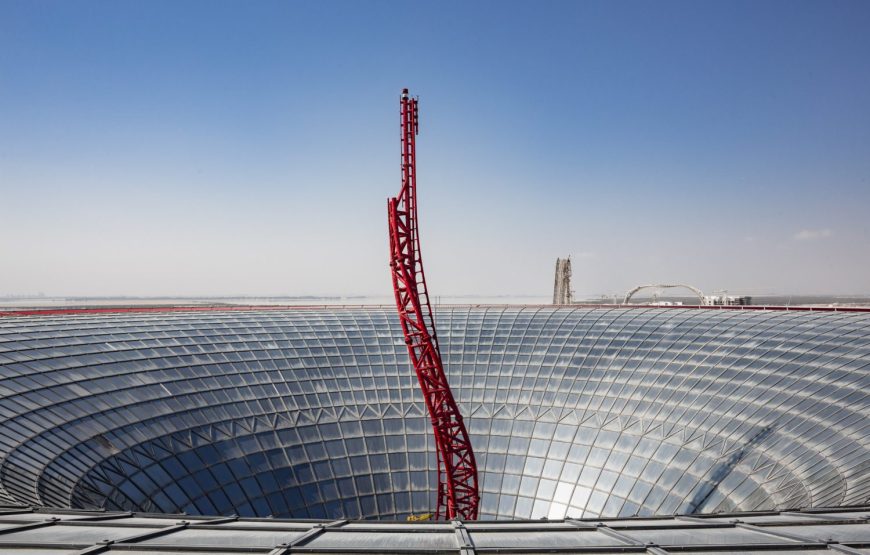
185 148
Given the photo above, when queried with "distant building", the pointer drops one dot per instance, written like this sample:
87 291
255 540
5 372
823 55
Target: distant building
726 300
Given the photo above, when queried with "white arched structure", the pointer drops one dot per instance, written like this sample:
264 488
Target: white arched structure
694 290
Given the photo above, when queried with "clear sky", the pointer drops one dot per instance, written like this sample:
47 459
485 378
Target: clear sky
218 148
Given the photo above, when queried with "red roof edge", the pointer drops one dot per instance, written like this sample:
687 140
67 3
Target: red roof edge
238 308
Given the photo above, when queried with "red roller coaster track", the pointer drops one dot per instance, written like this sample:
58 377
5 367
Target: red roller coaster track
457 470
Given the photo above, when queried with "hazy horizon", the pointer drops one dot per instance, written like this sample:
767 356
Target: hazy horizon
226 148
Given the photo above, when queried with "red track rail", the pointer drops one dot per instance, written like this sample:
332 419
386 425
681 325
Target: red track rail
457 470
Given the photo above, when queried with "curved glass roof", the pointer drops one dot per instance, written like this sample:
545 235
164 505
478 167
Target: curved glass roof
304 413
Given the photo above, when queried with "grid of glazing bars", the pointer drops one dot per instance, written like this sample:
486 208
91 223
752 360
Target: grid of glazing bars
314 413
25 530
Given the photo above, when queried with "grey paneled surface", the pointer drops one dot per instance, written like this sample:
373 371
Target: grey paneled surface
315 413
825 532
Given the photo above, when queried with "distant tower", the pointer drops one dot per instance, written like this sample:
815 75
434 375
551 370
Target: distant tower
562 286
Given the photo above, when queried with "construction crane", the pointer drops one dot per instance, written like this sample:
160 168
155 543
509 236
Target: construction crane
458 497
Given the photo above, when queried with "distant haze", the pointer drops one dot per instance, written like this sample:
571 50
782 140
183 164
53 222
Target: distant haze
233 148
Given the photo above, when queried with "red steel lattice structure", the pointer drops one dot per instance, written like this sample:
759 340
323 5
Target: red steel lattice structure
458 497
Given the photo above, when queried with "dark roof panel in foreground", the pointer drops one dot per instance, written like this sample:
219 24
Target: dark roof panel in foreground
821 532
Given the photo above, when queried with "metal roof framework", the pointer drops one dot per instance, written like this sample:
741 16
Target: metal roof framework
62 453
45 531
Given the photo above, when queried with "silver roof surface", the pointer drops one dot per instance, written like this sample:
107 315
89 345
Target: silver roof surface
573 412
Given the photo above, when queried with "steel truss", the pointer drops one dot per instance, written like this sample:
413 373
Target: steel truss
458 496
